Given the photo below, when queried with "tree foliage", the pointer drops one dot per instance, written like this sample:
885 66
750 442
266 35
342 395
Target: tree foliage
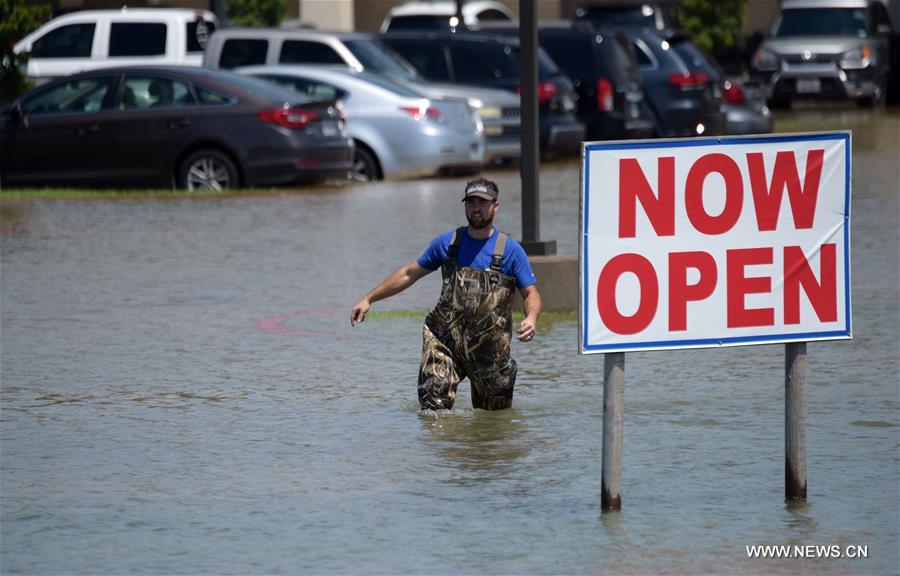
256 13
16 21
715 25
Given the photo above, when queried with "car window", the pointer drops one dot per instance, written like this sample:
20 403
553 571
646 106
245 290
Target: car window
428 58
84 95
313 88
486 61
211 97
574 52
137 39
255 86
376 56
820 22
243 52
72 41
142 92
198 33
645 58
307 52
492 14
419 23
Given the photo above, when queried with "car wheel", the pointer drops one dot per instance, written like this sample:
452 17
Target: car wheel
208 170
365 167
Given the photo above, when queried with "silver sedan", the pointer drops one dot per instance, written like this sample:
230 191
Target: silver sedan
398 131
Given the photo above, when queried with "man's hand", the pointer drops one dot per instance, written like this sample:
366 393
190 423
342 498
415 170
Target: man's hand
359 312
526 330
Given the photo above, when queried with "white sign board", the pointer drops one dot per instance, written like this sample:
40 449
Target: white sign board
714 242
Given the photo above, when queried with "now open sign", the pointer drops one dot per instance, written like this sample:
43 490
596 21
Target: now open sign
715 242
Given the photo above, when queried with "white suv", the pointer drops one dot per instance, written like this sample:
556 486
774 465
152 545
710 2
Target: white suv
441 15
93 39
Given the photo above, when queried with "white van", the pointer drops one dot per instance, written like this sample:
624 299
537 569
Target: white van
131 36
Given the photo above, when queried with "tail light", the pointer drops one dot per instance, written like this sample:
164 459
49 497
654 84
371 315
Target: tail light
605 101
689 80
734 94
420 112
288 117
546 91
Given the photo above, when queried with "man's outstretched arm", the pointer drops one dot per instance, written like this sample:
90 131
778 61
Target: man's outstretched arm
401 279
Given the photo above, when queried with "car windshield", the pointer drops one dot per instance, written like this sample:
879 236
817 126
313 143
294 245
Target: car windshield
820 22
377 57
693 56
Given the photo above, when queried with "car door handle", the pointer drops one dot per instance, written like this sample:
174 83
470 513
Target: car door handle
180 123
90 129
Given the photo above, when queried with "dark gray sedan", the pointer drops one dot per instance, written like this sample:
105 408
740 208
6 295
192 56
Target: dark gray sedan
144 126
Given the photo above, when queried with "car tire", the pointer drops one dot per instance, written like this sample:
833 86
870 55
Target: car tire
208 169
365 166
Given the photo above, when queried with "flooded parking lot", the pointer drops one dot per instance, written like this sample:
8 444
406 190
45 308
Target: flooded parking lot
182 393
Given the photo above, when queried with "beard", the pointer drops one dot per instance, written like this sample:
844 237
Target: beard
479 222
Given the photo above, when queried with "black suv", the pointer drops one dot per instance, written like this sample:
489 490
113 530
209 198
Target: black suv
493 61
604 69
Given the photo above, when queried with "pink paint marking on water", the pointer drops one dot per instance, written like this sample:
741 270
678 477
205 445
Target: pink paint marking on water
275 324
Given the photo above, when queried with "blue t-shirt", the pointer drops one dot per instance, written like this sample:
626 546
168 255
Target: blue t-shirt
477 254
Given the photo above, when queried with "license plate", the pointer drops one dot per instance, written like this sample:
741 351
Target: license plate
809 86
330 128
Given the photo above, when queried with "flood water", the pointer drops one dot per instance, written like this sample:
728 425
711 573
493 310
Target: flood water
182 393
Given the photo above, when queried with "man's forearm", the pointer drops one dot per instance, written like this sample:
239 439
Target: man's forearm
532 305
399 280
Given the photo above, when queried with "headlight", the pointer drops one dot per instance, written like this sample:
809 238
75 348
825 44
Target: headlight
765 61
857 58
490 112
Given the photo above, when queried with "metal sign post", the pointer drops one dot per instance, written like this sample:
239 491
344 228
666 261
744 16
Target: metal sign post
529 163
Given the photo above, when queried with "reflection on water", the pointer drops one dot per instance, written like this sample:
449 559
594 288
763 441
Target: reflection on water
182 393
481 445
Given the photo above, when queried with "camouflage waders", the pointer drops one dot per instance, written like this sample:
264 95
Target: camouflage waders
468 335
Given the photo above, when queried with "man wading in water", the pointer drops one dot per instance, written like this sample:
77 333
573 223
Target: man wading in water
469 331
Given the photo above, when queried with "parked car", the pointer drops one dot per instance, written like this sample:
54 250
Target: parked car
743 103
493 61
154 125
93 39
397 131
604 70
631 15
827 49
441 15
683 99
233 47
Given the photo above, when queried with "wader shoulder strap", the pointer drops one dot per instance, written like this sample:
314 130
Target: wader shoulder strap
499 248
453 249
